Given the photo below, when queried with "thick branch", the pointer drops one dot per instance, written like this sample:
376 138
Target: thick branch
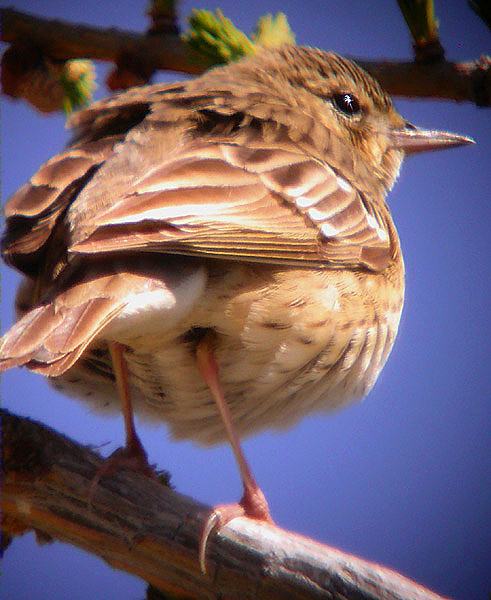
62 41
470 81
147 529
462 82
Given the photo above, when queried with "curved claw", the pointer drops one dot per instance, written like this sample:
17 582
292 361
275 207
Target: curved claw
252 506
212 523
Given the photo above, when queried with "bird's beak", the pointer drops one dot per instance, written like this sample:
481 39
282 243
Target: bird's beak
411 139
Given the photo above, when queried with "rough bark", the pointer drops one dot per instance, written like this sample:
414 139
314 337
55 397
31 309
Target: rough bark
143 527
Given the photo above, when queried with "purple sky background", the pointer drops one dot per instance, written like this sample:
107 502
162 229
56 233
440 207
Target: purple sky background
403 478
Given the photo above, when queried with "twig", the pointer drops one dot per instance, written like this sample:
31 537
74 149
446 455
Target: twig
463 82
147 529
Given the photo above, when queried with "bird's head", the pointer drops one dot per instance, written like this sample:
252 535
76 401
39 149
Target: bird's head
363 135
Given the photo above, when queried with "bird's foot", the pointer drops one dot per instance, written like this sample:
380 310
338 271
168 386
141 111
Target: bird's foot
131 457
253 506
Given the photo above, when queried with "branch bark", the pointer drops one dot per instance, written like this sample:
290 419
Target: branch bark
63 41
147 529
462 82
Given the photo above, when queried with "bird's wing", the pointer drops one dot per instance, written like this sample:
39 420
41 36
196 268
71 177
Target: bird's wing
33 212
254 200
257 196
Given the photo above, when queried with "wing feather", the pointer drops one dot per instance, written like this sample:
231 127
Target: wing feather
34 210
143 177
268 203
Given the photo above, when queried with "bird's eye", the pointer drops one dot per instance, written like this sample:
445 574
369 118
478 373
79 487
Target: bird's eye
347 104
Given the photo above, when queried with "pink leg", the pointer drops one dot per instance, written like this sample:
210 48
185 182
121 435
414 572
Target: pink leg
121 373
253 503
133 455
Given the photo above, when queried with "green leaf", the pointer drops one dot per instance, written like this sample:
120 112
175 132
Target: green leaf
216 37
273 31
78 82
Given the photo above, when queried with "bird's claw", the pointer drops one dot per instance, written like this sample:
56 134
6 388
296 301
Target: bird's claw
222 515
212 523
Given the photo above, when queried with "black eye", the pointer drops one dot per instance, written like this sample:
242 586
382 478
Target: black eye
347 104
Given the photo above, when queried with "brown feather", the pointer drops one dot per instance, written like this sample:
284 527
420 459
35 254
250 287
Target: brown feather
250 163
222 199
51 337
33 212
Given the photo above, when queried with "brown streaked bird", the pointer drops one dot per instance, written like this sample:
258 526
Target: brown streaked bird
218 254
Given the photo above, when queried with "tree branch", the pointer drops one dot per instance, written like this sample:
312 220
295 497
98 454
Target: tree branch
147 529
63 41
463 82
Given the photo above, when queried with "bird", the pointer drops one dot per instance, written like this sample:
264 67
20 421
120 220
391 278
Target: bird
217 254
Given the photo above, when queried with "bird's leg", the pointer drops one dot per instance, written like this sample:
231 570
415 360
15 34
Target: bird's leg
253 503
132 456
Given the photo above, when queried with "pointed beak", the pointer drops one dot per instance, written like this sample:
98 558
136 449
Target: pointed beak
411 139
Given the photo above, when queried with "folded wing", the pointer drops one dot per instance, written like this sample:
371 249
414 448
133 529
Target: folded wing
242 201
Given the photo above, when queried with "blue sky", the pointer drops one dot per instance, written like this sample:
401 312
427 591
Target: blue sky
403 478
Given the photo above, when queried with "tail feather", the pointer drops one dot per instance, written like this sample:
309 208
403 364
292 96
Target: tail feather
49 338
